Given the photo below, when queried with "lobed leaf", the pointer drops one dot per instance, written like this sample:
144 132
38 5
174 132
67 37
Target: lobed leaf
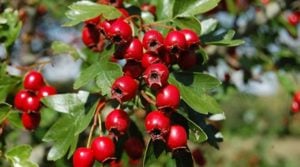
19 156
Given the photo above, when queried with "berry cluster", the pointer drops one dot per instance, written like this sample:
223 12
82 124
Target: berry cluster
295 107
28 99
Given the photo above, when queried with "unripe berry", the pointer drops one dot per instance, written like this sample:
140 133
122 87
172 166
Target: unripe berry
133 69
83 157
134 147
191 38
33 80
124 88
156 75
31 103
153 41
150 58
31 121
46 91
120 32
103 148
175 42
134 50
117 122
20 99
177 137
157 125
168 97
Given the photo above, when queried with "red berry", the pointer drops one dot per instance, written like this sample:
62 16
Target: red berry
293 19
124 88
157 124
187 60
134 50
115 3
150 58
168 97
177 137
191 38
120 32
148 8
90 36
133 69
31 121
104 27
93 21
46 91
20 99
103 148
117 122
199 157
134 147
153 41
295 107
31 103
297 97
175 42
83 157
33 80
124 13
156 75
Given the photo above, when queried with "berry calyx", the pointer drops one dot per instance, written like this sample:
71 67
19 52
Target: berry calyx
133 69
153 41
168 97
117 122
33 80
31 103
177 137
31 121
191 38
20 99
175 42
103 148
124 88
157 125
46 91
156 75
83 157
120 32
134 50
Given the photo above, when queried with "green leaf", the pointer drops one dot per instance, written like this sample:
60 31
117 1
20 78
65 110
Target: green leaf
59 47
194 94
208 25
19 156
8 83
224 39
287 82
66 103
188 22
85 121
164 9
14 119
84 10
86 75
154 150
193 7
4 111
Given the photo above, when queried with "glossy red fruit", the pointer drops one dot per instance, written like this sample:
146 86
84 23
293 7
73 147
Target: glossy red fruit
134 147
150 58
83 157
133 69
175 42
187 60
46 91
117 122
168 97
295 107
148 8
20 99
31 121
124 13
90 36
120 32
93 21
115 3
33 80
293 19
156 75
297 97
31 103
177 137
157 125
103 148
124 88
104 26
134 50
191 38
153 41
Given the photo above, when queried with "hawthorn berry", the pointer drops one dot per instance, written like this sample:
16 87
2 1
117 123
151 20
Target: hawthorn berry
191 38
31 103
153 41
295 107
115 3
120 32
133 69
157 125
199 157
134 147
31 121
168 97
20 99
103 148
156 75
124 13
83 157
90 36
150 58
93 21
104 27
134 50
297 97
175 42
124 88
117 122
33 80
187 60
46 91
177 137
293 19
148 8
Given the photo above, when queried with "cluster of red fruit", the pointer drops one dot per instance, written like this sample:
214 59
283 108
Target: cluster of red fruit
28 99
295 107
294 18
